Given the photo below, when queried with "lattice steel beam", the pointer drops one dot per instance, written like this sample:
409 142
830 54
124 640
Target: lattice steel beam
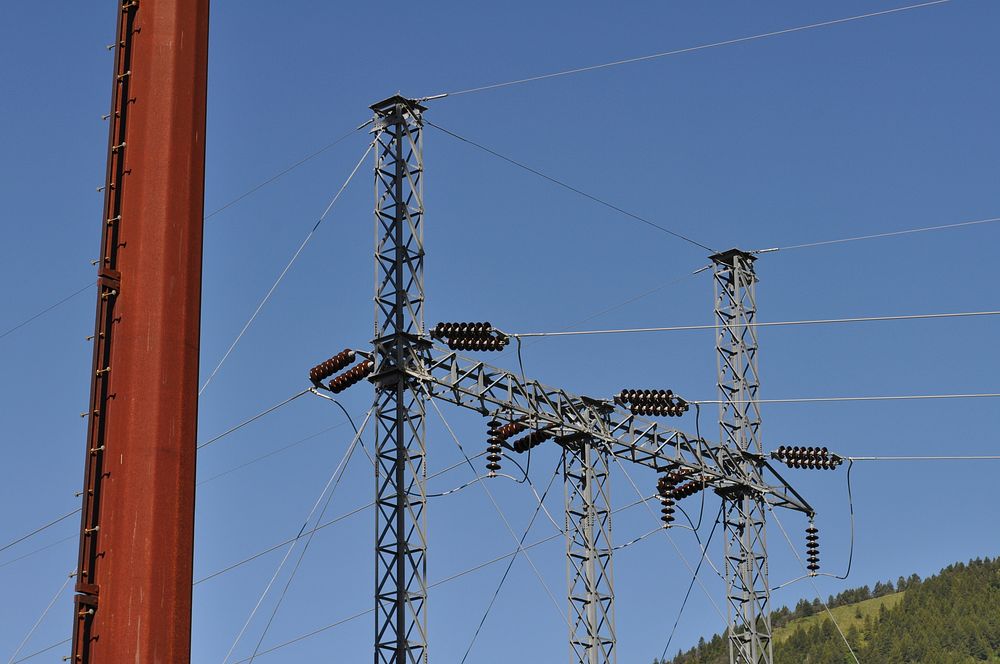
589 572
489 390
400 452
747 588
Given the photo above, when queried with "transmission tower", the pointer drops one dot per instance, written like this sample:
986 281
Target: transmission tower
589 574
400 449
747 589
410 364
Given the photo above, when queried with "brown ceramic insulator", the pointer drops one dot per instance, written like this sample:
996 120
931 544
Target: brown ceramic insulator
510 429
331 366
351 376
530 440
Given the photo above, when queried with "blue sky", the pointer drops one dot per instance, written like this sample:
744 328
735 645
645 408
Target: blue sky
866 127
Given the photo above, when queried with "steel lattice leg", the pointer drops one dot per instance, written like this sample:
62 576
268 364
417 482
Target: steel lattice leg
401 494
747 588
589 555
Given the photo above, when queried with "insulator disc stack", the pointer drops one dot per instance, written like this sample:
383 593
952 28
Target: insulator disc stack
504 431
350 377
812 458
688 489
653 403
326 369
665 487
533 439
812 548
494 450
470 336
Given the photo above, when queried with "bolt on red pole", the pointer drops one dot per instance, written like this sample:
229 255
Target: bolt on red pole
133 601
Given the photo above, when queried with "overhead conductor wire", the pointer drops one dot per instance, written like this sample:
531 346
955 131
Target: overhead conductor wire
679 51
42 651
38 622
779 323
569 187
857 238
309 539
499 511
286 170
510 564
907 397
291 262
46 310
266 411
335 481
321 526
687 594
774 513
684 560
435 584
226 205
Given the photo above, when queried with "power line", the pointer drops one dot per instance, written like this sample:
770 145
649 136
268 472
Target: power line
46 310
687 595
510 564
812 582
40 529
38 550
857 238
309 539
42 651
496 506
201 482
908 397
680 51
229 204
38 622
781 323
281 276
569 187
319 527
335 481
287 170
272 453
684 560
437 583
925 458
256 417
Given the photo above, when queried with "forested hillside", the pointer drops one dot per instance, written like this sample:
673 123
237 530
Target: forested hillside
950 618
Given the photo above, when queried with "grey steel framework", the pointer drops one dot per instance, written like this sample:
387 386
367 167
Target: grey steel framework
400 448
410 367
747 589
589 574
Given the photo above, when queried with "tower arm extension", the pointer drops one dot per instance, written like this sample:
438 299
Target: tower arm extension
489 390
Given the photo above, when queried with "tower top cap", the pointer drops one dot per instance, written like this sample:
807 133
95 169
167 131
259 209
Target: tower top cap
728 257
396 100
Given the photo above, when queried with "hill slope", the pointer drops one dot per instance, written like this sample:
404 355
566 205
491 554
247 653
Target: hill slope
950 618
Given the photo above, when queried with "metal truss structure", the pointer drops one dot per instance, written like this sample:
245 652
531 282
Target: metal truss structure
411 367
400 448
747 589
589 573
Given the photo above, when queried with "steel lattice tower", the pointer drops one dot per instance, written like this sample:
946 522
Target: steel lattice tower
400 473
747 589
590 579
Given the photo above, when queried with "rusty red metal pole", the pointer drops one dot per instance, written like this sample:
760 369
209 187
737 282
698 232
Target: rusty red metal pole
133 601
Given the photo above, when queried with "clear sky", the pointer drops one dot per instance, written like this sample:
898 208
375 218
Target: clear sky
865 127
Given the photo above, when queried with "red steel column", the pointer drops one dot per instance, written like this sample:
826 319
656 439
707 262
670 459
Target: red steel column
133 601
